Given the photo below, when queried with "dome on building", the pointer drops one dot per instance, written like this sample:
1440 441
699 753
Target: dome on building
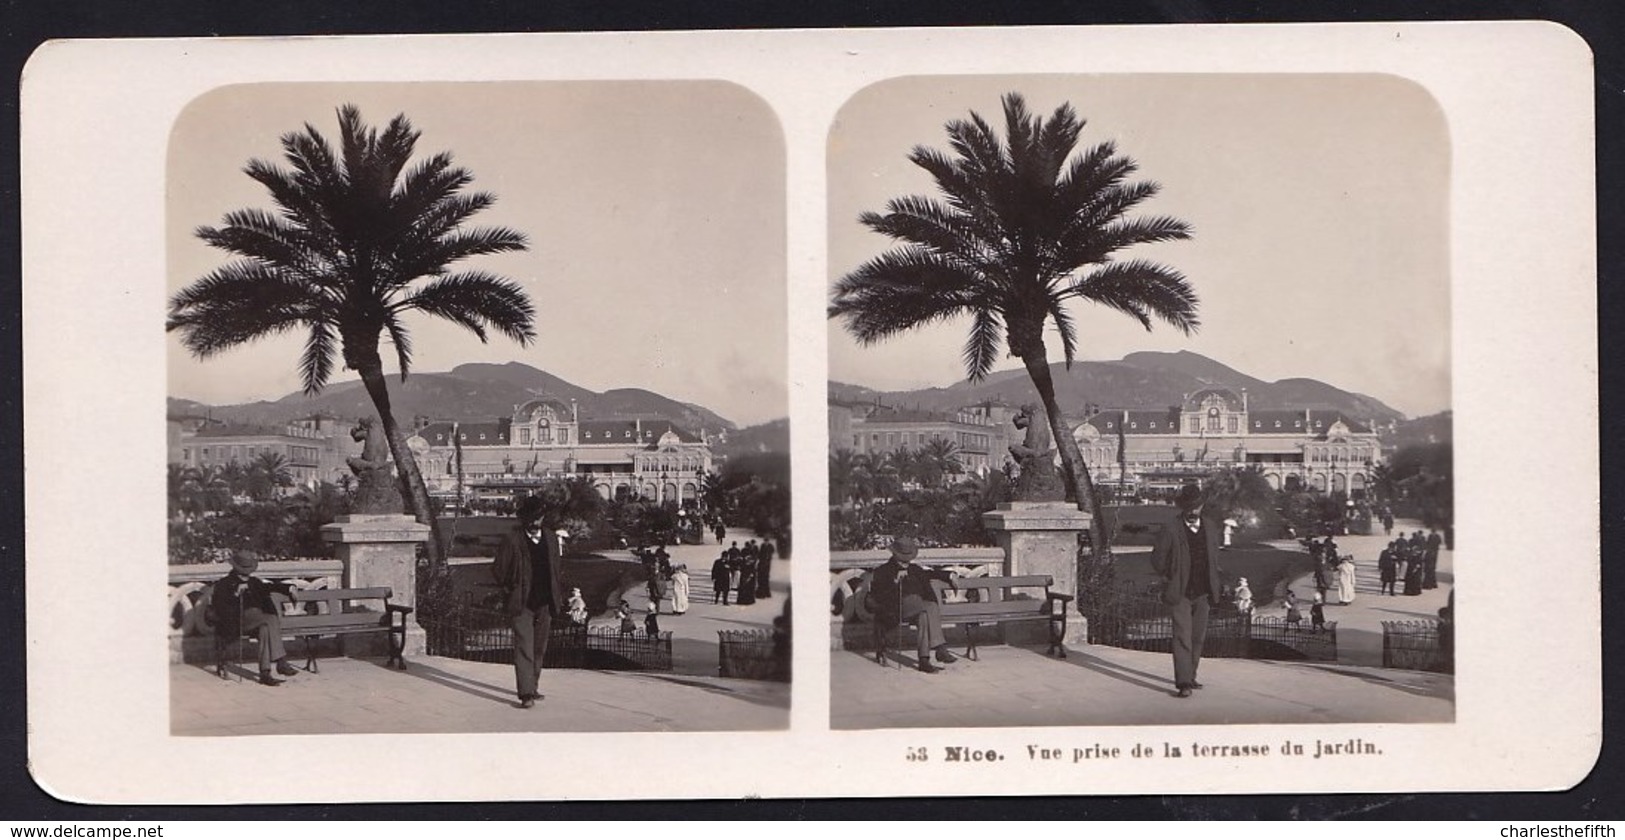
547 407
1228 399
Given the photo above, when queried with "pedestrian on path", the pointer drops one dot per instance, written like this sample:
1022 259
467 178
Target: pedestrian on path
746 575
1186 556
1317 614
1293 617
764 568
1345 580
1386 568
624 613
1430 560
679 589
1413 575
577 606
1244 598
719 580
527 570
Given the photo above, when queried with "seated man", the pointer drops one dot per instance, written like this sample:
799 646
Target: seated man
243 604
901 591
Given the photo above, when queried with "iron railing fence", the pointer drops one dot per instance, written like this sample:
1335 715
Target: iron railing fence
1418 645
478 634
1136 619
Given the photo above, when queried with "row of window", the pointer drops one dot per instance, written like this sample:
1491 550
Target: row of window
546 436
205 454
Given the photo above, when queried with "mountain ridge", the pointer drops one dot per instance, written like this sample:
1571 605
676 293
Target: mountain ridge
468 392
1144 379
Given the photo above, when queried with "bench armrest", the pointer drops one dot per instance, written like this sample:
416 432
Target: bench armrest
1056 596
400 608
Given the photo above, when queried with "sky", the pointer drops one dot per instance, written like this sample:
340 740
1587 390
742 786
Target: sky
655 213
1318 203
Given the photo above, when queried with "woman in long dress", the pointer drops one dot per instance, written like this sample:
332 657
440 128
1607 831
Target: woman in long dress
747 583
1345 580
679 589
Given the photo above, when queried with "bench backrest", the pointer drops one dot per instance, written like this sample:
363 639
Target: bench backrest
1001 583
305 596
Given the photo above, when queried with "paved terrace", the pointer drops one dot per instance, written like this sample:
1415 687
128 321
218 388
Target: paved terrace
437 694
1103 686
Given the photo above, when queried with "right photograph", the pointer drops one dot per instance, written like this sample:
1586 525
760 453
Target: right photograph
1140 402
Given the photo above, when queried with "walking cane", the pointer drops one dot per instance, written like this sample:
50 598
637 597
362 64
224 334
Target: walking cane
240 590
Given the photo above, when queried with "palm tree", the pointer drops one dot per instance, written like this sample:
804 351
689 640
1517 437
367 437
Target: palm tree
941 459
354 232
1021 227
268 471
843 464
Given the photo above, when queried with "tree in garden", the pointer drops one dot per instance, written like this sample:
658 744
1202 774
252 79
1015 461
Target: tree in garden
267 472
358 239
843 465
1020 228
1234 489
939 460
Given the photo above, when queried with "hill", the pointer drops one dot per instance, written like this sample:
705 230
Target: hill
1146 379
479 391
772 436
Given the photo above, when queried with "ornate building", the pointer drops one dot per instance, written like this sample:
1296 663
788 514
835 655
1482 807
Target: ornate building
1154 451
545 439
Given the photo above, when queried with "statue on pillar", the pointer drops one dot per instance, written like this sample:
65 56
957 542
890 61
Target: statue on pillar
1038 480
376 491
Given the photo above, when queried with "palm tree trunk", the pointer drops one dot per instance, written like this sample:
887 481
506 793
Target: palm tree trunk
372 376
1077 472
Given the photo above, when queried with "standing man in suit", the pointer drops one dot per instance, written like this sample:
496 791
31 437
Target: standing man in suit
901 591
1187 557
527 569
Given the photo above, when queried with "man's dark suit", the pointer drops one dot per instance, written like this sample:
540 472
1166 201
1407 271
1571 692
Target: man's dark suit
529 602
1187 601
899 592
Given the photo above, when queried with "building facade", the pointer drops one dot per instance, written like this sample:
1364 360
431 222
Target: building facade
313 449
977 432
1154 451
545 439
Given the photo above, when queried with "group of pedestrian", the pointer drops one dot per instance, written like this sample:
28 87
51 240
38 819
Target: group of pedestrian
1332 570
663 577
743 572
1413 560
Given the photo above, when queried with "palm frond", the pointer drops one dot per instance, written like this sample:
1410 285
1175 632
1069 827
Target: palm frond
983 344
316 362
1142 289
899 290
477 301
402 340
1066 327
234 304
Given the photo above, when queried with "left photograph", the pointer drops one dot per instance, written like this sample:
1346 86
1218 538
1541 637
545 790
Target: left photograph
477 409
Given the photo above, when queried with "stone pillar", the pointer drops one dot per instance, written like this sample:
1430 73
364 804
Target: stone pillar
1041 538
380 549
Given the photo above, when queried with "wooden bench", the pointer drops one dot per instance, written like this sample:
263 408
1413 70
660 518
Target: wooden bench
335 614
988 602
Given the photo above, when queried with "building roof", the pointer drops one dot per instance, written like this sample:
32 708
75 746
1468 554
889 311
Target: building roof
489 433
499 432
627 431
898 414
1300 421
239 430
1139 421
